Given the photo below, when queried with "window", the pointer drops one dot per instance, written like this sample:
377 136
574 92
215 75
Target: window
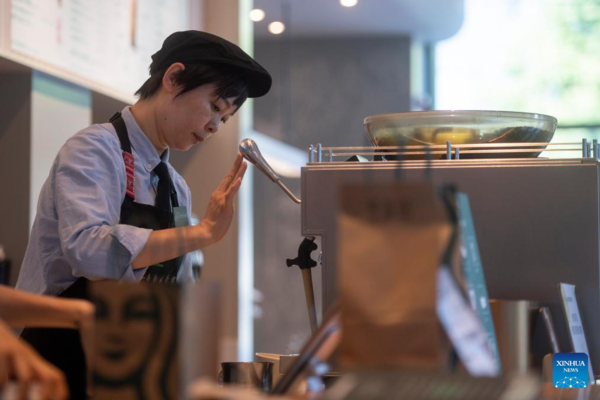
540 56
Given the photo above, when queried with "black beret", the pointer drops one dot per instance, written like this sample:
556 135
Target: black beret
195 47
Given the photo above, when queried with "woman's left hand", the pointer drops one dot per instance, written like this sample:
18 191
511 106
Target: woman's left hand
220 210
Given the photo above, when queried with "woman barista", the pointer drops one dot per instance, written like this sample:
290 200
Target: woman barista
111 206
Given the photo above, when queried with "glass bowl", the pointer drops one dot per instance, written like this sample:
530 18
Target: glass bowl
461 127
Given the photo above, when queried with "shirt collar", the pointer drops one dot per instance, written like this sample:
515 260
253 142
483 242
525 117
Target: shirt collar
140 142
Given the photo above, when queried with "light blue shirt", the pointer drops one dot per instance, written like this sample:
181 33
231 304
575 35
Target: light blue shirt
76 232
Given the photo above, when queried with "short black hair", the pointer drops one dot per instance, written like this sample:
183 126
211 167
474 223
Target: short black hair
227 80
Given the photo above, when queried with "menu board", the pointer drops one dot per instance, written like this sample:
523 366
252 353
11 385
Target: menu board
107 41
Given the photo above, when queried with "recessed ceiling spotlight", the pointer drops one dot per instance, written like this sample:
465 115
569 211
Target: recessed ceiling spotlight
348 3
276 27
257 15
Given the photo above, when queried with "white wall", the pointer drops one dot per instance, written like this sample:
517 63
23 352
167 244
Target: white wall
58 110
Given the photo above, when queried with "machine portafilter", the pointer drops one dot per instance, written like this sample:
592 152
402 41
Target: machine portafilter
250 151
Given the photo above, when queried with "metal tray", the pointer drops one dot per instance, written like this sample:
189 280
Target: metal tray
460 127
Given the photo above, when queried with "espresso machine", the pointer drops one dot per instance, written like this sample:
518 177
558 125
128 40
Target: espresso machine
537 219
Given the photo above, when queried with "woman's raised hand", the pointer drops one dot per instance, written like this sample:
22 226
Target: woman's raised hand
220 210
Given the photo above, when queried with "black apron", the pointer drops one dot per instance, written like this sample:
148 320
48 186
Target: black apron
62 347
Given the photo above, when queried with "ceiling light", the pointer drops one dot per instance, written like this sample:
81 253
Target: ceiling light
348 3
276 27
257 15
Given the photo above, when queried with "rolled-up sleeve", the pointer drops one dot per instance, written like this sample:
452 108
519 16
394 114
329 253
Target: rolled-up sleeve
89 188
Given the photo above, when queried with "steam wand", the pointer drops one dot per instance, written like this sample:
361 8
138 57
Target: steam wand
250 151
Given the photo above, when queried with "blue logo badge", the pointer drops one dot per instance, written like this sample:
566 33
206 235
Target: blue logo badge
570 370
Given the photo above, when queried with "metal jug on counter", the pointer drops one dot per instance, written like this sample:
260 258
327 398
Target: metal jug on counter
257 375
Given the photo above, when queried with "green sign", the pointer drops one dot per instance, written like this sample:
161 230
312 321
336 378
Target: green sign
473 272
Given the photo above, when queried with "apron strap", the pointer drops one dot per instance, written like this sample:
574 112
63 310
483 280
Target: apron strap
119 125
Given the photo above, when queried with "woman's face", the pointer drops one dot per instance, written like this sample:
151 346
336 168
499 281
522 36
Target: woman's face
126 323
192 117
